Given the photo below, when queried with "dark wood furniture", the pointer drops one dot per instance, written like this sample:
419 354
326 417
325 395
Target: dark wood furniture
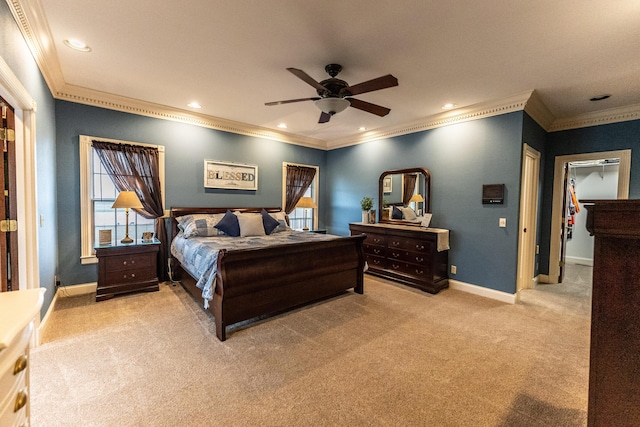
614 370
125 268
256 282
405 254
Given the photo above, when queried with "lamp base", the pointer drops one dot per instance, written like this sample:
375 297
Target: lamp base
127 239
305 229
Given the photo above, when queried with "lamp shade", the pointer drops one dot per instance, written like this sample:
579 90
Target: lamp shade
417 198
127 199
306 202
332 105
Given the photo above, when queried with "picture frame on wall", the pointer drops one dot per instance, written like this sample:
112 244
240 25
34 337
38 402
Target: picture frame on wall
387 184
230 176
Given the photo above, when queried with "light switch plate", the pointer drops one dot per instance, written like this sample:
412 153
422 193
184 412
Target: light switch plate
503 222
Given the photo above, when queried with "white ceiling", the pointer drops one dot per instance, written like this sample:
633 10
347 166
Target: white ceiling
231 56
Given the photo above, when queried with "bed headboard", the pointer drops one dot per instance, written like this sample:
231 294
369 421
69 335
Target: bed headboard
180 211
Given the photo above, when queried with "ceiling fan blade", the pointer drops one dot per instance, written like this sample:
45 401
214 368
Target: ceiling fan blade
306 78
369 107
324 117
289 101
371 85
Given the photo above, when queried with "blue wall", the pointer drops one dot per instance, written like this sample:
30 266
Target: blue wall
461 158
15 52
186 148
615 136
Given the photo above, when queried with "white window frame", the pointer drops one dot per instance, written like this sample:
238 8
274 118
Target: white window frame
316 188
87 255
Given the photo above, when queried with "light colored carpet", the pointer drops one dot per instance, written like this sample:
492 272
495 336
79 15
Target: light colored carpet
394 356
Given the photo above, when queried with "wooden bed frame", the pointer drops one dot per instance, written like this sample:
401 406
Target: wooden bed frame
256 282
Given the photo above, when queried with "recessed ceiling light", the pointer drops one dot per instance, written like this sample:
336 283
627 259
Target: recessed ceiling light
362 128
600 97
282 125
77 45
448 106
194 105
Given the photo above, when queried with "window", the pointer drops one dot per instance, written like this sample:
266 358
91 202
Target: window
301 217
98 194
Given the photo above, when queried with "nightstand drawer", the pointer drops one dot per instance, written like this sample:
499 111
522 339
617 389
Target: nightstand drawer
130 262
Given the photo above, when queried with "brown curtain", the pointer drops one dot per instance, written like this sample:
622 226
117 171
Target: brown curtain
409 187
137 168
299 178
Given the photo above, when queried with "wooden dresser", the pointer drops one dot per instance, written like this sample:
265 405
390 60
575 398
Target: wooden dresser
18 309
125 268
614 370
411 255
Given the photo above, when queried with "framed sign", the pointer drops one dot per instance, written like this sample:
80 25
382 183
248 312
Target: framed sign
234 176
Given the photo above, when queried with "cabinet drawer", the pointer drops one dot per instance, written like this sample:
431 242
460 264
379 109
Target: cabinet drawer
423 246
129 262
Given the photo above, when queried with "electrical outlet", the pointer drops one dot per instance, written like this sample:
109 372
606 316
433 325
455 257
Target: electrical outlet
454 269
56 281
503 222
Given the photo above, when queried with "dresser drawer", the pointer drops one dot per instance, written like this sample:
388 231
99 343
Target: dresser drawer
376 239
397 242
130 262
130 275
374 250
418 258
420 272
14 363
376 262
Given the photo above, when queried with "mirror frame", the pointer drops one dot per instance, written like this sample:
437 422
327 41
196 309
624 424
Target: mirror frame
427 196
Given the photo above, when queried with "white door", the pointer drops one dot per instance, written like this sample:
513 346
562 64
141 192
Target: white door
528 218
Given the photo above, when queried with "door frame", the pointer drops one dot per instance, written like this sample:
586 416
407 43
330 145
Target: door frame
624 173
25 125
529 186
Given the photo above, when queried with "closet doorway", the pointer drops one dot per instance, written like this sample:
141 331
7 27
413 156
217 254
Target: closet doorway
562 196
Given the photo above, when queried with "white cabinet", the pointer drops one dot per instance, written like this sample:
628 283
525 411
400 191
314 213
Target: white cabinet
18 310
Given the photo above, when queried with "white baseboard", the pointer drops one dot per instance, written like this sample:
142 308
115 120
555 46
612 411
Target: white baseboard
64 292
579 260
482 291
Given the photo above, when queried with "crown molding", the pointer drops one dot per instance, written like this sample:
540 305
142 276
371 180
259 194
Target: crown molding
129 105
603 117
539 112
482 110
30 18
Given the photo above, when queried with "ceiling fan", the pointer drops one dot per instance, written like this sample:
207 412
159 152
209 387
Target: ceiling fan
335 94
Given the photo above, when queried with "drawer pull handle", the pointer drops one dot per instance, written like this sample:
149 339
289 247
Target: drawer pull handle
419 271
419 259
124 262
376 251
376 240
133 261
376 261
21 401
395 266
395 255
421 247
20 365
395 243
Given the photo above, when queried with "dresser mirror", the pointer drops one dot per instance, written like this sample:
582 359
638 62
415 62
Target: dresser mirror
402 189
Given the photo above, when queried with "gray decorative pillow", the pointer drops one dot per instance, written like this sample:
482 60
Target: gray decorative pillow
199 224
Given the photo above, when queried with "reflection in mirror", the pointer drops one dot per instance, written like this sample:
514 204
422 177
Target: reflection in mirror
404 196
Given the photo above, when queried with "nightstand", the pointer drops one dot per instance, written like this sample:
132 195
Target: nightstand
124 268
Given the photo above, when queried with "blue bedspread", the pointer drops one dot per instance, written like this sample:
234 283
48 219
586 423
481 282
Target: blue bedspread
199 255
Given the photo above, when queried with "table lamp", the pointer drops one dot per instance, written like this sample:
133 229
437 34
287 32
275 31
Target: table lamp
416 198
306 202
127 200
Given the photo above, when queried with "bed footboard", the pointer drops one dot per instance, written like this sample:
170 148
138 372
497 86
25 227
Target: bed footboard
256 282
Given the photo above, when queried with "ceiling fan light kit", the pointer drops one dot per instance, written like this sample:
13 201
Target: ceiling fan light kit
334 95
332 105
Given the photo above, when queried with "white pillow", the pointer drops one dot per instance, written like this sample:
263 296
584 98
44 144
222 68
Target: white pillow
408 213
250 224
282 219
